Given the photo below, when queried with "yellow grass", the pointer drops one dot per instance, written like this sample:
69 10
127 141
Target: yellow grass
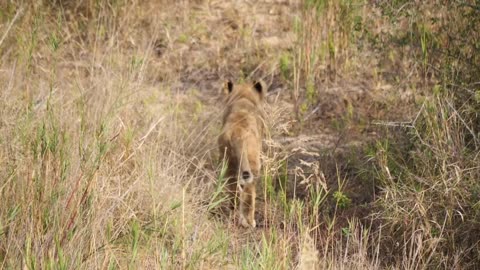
109 113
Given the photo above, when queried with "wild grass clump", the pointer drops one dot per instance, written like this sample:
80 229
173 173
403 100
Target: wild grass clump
92 176
324 31
430 189
426 167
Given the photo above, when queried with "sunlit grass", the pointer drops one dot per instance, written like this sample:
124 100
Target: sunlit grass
109 118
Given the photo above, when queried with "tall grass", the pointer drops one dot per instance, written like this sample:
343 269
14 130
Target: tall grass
91 177
430 186
108 157
425 169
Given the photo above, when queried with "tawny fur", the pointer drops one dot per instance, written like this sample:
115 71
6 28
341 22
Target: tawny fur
240 144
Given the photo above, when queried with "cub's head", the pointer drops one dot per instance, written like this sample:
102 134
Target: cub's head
254 91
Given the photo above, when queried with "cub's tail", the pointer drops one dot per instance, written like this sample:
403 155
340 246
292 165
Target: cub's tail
244 171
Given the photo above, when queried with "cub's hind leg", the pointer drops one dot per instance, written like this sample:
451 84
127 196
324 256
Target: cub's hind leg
247 205
231 191
230 173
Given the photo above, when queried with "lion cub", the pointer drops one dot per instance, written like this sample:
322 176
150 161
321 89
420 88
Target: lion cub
240 144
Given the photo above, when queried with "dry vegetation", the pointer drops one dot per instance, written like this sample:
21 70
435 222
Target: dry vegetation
109 113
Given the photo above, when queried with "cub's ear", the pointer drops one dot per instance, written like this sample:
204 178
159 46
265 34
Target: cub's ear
227 87
260 88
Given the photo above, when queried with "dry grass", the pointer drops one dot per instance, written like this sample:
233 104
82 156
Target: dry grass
109 114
